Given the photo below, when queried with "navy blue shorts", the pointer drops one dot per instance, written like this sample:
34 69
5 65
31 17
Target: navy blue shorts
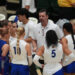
69 68
19 69
5 69
60 72
0 67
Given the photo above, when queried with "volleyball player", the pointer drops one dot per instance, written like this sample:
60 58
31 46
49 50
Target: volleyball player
68 43
13 32
20 52
52 52
4 48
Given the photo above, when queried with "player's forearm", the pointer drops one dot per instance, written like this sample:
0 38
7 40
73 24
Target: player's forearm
34 44
36 61
30 60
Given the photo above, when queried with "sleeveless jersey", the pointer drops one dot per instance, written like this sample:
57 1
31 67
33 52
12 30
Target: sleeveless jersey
11 39
66 60
16 58
52 59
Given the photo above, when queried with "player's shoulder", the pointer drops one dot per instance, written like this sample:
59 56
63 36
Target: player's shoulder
68 36
13 42
59 44
59 47
23 42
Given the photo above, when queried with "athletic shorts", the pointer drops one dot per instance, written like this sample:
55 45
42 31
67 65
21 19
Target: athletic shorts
69 68
60 72
19 69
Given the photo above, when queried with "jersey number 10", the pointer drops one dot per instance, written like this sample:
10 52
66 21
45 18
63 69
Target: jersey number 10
16 51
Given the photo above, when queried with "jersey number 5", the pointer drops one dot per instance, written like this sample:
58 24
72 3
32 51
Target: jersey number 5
53 54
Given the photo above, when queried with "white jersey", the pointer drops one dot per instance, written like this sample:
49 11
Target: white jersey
66 60
11 39
19 59
52 59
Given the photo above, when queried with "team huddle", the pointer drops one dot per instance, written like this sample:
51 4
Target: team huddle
29 43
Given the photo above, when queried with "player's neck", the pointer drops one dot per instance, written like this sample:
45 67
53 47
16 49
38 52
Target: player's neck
21 38
67 34
13 35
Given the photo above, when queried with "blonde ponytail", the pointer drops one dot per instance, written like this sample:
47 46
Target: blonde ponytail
20 31
18 52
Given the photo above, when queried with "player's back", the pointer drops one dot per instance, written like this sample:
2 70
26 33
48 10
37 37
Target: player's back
53 55
52 59
19 58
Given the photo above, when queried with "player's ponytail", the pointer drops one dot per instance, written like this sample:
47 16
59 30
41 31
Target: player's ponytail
72 34
20 31
18 41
